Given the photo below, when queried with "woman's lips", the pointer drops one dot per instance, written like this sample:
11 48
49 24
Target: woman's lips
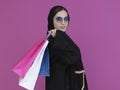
62 27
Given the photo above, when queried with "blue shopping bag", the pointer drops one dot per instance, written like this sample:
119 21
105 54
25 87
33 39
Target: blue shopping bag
44 70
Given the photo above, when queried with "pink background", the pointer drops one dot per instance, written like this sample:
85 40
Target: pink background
94 26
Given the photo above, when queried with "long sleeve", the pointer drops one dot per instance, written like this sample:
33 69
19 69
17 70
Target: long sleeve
64 50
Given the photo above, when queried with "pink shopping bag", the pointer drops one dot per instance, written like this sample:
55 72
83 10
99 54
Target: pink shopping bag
24 64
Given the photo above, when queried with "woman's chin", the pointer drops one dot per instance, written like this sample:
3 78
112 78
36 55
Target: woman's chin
63 30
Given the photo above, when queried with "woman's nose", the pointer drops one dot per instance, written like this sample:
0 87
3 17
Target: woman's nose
63 22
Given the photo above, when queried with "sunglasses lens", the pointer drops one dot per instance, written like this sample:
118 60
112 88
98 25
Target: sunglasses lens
59 19
66 19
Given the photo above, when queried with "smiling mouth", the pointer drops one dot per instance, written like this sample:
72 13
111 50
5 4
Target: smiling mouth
62 27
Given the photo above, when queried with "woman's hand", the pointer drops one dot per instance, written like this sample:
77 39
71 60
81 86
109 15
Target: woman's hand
52 32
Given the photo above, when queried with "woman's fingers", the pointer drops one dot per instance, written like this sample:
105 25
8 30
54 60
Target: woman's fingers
52 32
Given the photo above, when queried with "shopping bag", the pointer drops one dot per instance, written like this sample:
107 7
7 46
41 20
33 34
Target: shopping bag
44 69
24 64
30 78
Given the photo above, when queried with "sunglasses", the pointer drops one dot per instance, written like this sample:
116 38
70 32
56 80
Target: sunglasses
60 19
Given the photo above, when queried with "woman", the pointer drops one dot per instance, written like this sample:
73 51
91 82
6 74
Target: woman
66 68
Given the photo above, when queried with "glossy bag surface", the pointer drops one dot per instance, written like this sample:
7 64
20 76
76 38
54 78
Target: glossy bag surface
44 69
24 64
30 78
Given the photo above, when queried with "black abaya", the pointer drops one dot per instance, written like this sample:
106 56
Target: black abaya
65 59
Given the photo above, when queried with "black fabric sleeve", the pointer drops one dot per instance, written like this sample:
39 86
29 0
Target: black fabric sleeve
65 50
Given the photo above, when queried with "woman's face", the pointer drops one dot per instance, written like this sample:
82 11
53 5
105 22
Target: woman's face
61 20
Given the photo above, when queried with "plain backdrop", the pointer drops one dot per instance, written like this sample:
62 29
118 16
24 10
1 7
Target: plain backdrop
94 26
